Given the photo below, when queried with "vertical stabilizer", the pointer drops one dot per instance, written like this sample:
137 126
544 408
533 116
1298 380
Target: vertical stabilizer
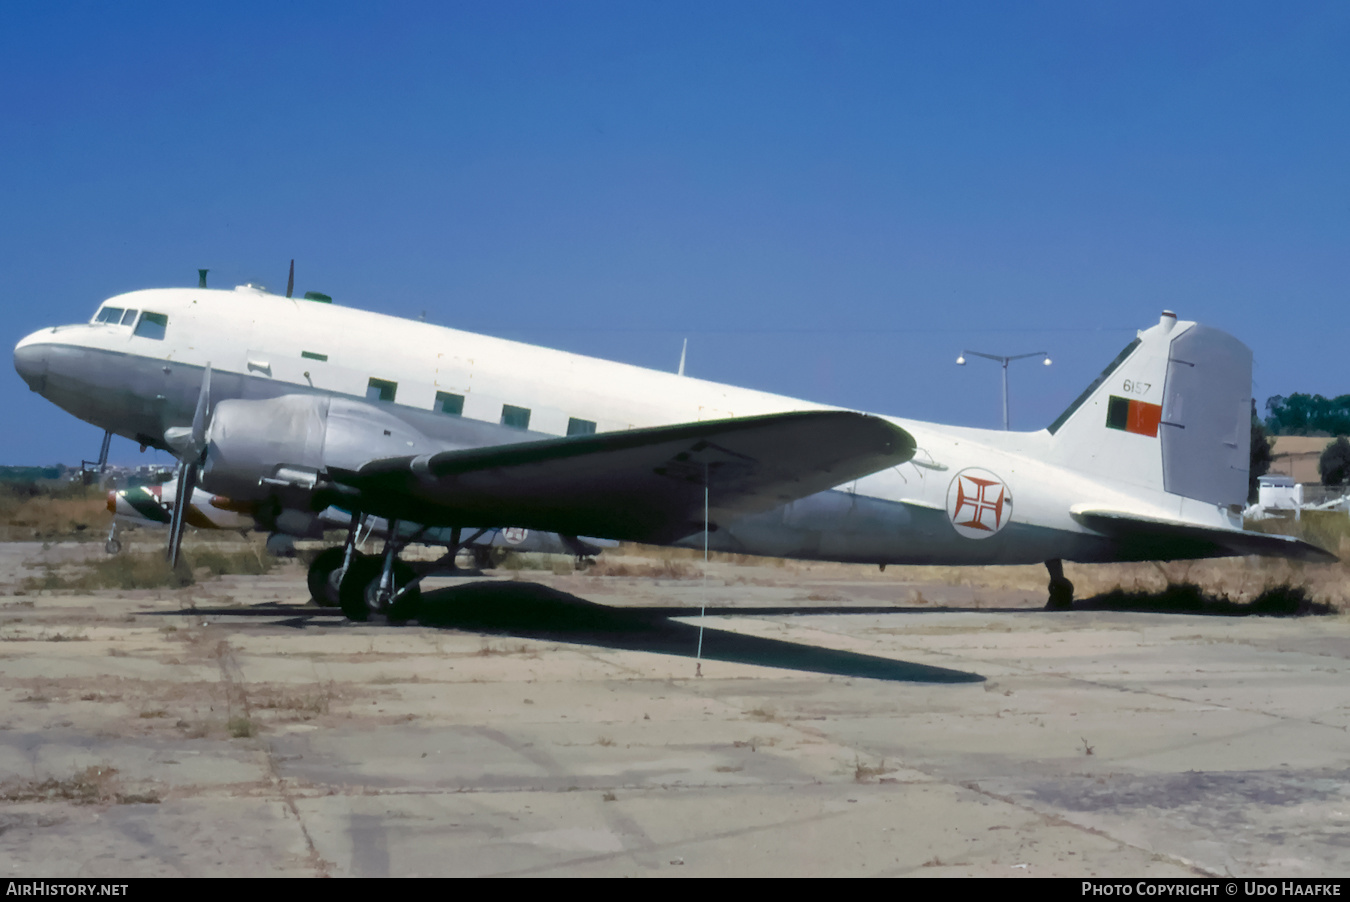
1171 412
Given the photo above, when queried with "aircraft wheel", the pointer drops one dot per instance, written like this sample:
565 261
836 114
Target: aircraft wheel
112 546
352 590
404 607
1061 595
358 593
335 582
325 574
482 558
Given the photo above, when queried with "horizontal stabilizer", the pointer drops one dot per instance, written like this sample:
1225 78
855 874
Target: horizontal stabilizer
1147 538
642 485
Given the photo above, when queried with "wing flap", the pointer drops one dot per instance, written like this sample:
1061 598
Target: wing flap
644 485
1165 540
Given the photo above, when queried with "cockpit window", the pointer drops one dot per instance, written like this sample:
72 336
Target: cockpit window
109 315
152 325
129 317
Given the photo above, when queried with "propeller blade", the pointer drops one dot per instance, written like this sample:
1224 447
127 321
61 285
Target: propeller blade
187 483
290 282
191 450
199 417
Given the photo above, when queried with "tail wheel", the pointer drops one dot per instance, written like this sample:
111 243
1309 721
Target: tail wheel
1061 595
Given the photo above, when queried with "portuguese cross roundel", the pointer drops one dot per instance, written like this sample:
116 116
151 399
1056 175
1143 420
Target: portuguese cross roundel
979 504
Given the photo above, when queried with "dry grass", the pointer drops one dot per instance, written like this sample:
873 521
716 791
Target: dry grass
863 773
648 569
150 570
50 511
241 727
691 555
516 560
302 706
93 785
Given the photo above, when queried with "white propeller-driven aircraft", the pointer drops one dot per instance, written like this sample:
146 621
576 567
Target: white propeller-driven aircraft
295 405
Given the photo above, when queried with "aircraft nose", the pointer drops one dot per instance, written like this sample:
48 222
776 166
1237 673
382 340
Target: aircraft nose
31 359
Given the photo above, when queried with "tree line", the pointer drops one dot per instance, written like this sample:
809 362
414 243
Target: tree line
1303 414
1300 414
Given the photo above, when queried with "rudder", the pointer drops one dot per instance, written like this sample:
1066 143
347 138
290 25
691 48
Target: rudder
1170 413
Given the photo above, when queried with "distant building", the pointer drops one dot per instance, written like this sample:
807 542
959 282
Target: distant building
1296 456
1279 493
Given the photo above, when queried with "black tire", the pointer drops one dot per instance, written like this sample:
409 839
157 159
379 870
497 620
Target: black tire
322 589
353 588
483 558
361 582
1061 595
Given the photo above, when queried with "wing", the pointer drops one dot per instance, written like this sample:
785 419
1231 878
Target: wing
1165 540
643 485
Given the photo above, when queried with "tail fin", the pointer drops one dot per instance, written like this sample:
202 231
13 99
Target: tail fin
1172 412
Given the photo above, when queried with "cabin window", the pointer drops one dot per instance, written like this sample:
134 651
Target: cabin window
515 417
310 355
381 390
152 325
454 404
580 427
109 315
129 317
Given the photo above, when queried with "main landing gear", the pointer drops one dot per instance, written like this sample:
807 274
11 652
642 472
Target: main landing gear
381 585
364 585
1061 590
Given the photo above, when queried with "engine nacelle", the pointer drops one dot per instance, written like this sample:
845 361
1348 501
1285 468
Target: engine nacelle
294 435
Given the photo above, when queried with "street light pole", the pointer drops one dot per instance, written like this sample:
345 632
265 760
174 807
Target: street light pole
1004 361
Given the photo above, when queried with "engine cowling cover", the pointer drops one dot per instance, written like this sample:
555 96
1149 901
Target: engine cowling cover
249 441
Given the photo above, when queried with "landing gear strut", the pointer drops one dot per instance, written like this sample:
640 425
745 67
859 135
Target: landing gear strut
380 585
1061 590
113 544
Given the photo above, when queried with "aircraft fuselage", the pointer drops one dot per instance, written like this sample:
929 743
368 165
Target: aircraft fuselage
968 496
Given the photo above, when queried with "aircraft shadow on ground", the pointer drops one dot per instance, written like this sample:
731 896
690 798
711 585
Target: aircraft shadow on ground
533 611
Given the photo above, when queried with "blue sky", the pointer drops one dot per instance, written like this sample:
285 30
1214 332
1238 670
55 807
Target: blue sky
828 200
